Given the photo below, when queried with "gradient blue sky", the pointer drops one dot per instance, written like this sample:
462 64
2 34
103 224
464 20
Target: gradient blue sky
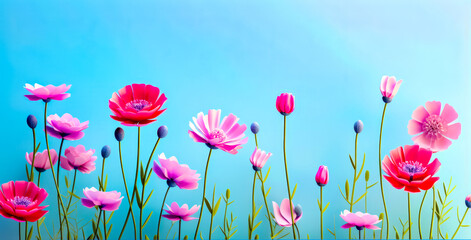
238 56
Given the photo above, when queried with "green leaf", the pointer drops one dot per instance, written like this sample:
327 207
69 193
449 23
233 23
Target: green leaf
362 196
397 234
266 176
440 197
331 232
228 194
319 204
372 185
109 230
66 181
109 217
367 176
361 169
147 238
250 224
216 207
148 198
143 177
147 219
208 205
27 171
347 189
138 199
268 191
256 226
100 183
294 191
343 195
30 233
73 194
351 161
325 208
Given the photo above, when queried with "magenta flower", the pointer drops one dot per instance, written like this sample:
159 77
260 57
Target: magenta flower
285 103
389 87
137 104
66 127
467 201
79 158
41 160
47 93
282 214
20 201
434 129
322 176
106 201
176 174
227 135
259 158
359 220
176 213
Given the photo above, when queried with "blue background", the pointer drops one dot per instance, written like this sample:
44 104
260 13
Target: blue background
238 56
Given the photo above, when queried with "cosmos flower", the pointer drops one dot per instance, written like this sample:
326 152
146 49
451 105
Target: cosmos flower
176 213
79 158
47 93
259 158
66 127
106 201
359 220
176 174
282 214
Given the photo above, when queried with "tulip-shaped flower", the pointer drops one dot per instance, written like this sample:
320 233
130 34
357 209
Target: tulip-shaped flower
47 93
137 104
435 129
285 104
41 160
359 220
389 87
65 127
176 174
322 176
282 213
20 201
106 201
259 158
79 158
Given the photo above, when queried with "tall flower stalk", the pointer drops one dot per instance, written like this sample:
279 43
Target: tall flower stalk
381 176
287 177
322 178
204 193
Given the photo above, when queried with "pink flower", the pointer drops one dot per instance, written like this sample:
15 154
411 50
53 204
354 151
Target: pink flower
227 135
389 88
434 128
20 201
259 158
79 158
285 104
176 174
467 201
410 168
47 93
359 220
41 160
322 176
106 201
176 213
66 127
137 104
282 214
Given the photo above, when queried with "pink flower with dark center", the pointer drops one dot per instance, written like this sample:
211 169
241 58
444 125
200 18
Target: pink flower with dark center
322 176
285 104
106 201
259 158
410 168
20 201
41 160
79 158
66 127
389 87
176 213
176 174
435 130
282 214
137 104
226 135
47 93
359 220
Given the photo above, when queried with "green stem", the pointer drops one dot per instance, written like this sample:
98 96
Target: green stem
26 230
72 191
39 178
287 178
58 183
179 229
104 225
420 212
31 176
381 177
37 222
297 229
103 188
359 234
253 202
19 230
97 225
408 208
266 204
204 193
135 179
433 214
256 143
130 212
354 183
322 217
461 222
366 207
160 215
225 218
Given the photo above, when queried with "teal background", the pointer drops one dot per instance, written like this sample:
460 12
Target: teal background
238 56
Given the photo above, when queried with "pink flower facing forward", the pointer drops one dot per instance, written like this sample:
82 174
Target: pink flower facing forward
176 213
285 103
227 135
106 201
434 128
20 201
47 93
137 104
359 220
282 214
389 87
176 174
259 158
409 168
66 127
322 176
41 160
79 158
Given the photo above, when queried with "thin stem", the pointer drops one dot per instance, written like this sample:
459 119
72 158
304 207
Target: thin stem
26 230
19 230
381 177
420 212
160 215
297 229
31 176
461 222
225 218
359 234
253 202
408 208
135 178
366 207
97 225
354 183
266 204
130 212
103 188
287 178
179 229
72 191
204 193
37 222
322 217
433 214
256 143
104 225
58 184
39 178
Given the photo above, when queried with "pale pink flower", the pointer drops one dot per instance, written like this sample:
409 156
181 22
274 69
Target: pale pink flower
47 93
79 158
176 174
389 87
359 220
41 160
282 214
176 213
66 127
259 158
106 201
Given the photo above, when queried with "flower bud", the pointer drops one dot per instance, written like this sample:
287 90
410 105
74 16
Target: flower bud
468 201
367 176
119 134
322 176
298 210
228 193
358 126
255 127
105 151
32 121
162 131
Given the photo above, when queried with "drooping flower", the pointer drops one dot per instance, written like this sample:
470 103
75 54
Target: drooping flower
137 104
359 220
285 103
176 213
389 87
322 176
226 135
282 214
259 158
467 201
106 201
434 129
47 93
410 168
358 126
79 158
20 201
66 127
41 160
176 174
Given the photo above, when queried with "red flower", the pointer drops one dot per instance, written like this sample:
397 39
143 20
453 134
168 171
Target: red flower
137 104
20 201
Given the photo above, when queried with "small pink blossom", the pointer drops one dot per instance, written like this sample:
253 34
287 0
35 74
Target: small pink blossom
389 87
106 201
47 93
176 174
20 201
322 176
41 160
282 214
66 127
176 213
259 158
79 158
359 220
285 104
